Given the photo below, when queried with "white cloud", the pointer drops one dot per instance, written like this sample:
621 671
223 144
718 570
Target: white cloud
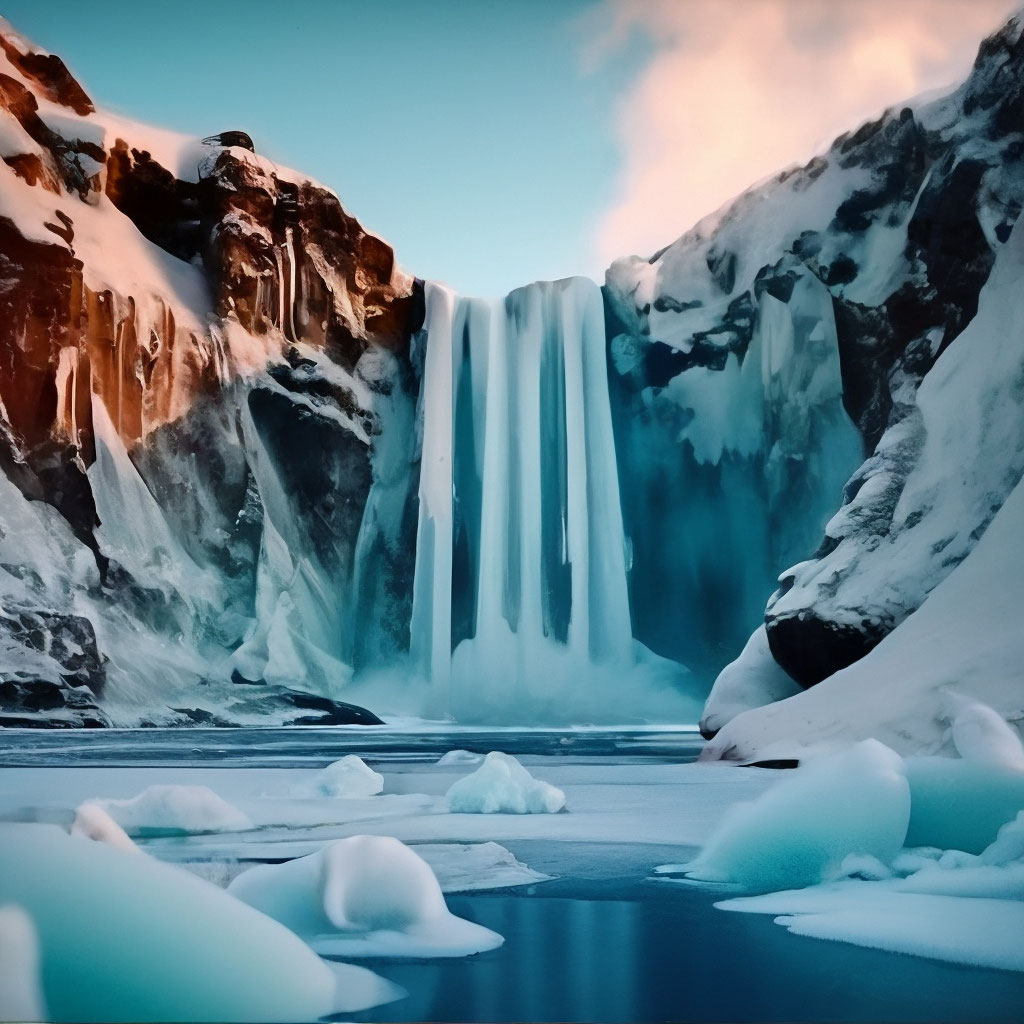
738 89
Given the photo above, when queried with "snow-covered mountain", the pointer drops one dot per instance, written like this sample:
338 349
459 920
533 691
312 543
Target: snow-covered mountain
895 249
250 469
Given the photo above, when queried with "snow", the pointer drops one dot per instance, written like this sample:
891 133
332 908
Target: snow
501 785
351 777
169 809
21 996
981 734
964 639
127 938
93 822
802 830
363 896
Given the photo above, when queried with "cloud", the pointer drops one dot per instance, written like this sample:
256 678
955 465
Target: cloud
738 89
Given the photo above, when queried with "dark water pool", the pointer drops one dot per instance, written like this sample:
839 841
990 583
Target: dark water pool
663 953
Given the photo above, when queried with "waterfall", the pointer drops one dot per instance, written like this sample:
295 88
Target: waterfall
520 605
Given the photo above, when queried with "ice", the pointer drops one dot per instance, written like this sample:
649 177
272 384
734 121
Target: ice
972 931
470 867
93 822
460 757
128 938
21 994
1008 845
169 809
363 896
960 804
801 831
501 785
351 777
982 734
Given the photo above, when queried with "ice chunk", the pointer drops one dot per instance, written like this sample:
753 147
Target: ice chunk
1008 846
982 734
93 822
460 757
350 777
960 804
128 938
469 867
21 994
174 809
800 832
363 896
978 932
501 785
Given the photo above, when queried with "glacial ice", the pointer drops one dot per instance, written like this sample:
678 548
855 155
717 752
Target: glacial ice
501 785
981 734
363 896
125 937
460 757
471 867
170 809
800 832
21 994
351 778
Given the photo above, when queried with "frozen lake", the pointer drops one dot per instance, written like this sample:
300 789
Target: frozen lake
601 941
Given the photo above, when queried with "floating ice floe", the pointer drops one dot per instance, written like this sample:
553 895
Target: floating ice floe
351 777
21 994
125 937
363 896
470 867
93 822
174 809
801 832
501 785
460 757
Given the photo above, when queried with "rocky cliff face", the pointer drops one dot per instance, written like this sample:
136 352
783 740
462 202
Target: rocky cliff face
896 229
201 356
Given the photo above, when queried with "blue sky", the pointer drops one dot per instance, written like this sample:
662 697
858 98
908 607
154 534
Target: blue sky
467 134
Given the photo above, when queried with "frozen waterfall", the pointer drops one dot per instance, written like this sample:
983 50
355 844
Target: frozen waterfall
520 602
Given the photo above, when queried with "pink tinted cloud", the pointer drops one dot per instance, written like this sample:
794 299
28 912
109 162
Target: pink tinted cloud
738 89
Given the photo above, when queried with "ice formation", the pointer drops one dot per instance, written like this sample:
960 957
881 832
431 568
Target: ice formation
350 777
501 785
21 994
170 808
521 561
93 822
363 896
800 832
982 734
128 938
462 757
470 867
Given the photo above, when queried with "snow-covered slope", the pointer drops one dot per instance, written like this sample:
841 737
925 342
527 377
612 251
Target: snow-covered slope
876 251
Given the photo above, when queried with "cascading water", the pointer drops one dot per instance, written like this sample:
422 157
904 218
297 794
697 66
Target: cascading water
520 606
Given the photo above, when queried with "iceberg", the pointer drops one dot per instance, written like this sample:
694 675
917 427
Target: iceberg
351 777
501 785
174 809
363 896
21 994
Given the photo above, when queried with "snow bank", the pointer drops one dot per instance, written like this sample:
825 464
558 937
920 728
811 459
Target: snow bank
350 777
363 896
800 832
128 938
93 822
21 995
960 804
501 785
174 809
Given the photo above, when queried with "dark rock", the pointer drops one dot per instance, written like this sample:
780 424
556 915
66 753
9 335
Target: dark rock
332 712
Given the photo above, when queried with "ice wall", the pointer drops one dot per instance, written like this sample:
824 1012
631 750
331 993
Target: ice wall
521 607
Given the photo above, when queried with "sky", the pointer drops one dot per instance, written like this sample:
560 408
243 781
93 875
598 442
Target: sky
495 142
